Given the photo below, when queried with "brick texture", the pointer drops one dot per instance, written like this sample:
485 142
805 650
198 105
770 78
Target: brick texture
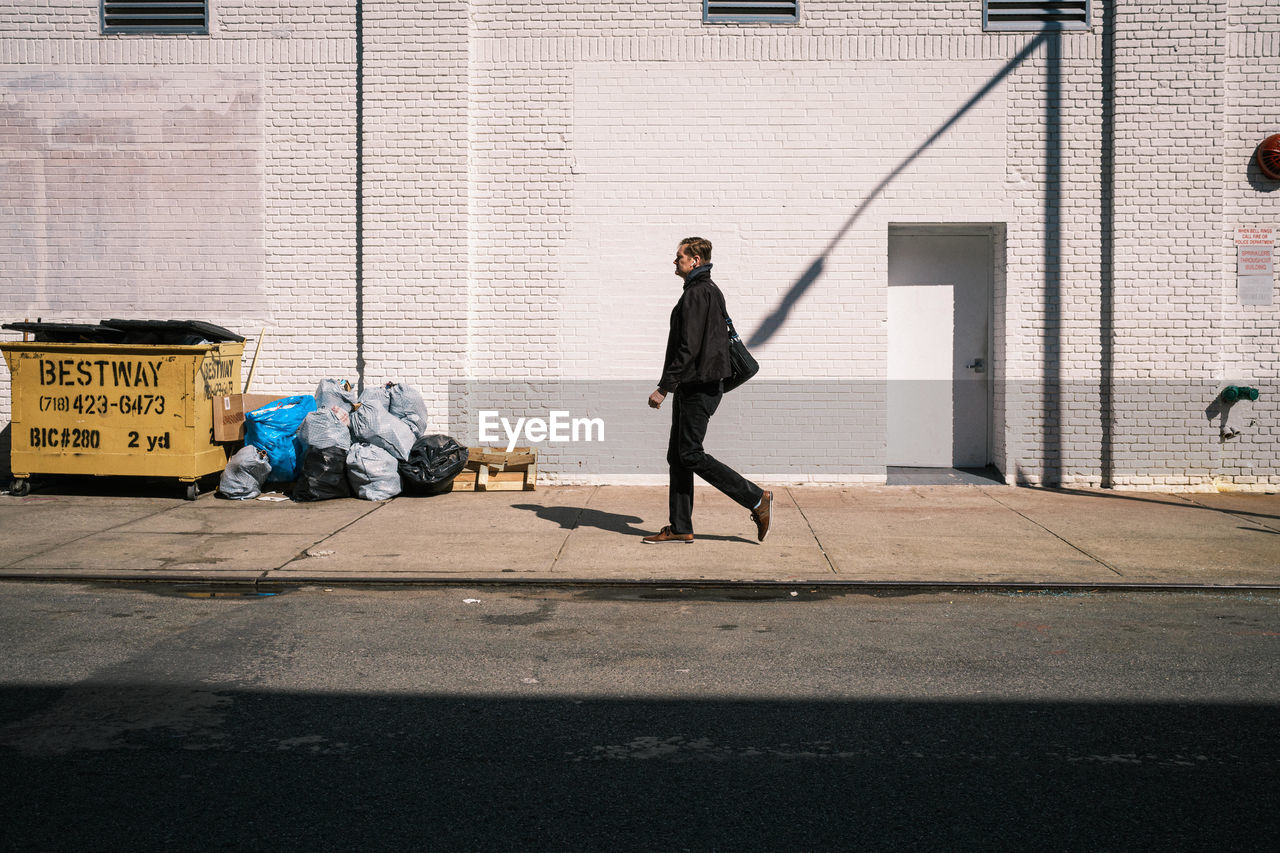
526 169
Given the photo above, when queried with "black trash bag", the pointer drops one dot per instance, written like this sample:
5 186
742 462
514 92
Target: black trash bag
433 463
322 475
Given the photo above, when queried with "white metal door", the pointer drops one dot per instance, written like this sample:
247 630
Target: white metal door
939 355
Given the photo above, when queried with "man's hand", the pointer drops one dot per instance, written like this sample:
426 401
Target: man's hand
656 398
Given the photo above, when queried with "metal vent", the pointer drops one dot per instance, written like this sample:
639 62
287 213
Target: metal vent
1017 16
155 16
750 11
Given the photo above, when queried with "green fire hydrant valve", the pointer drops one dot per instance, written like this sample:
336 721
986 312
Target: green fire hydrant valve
1239 392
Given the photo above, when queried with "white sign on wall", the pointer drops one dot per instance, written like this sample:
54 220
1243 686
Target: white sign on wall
1254 269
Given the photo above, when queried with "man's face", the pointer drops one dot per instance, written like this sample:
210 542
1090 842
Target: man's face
685 262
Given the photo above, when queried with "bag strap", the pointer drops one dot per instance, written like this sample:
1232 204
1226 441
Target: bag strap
724 309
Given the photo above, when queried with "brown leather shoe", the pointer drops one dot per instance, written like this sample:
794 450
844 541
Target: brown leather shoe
760 515
665 535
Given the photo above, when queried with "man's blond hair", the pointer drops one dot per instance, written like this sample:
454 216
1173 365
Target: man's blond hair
697 247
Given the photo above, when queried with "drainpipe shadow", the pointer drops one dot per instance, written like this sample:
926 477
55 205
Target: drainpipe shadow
778 317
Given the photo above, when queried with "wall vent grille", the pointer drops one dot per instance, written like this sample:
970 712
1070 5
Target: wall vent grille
155 16
750 11
1017 16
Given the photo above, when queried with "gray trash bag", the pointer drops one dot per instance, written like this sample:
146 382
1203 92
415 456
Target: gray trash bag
335 392
326 428
377 396
373 424
244 475
373 472
407 404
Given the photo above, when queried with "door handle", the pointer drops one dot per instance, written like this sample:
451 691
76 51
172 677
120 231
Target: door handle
978 365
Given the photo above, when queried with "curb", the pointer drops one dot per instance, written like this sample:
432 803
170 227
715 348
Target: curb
792 588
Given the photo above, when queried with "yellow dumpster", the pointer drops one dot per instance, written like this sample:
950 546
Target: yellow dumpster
118 409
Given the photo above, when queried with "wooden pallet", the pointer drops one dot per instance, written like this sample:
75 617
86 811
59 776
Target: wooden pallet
492 469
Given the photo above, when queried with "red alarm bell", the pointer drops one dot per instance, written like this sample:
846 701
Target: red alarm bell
1268 157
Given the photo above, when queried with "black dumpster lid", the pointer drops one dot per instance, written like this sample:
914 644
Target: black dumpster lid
69 333
169 331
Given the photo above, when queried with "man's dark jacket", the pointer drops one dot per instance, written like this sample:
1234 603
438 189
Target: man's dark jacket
698 343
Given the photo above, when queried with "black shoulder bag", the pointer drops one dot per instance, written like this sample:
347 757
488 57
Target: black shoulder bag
741 363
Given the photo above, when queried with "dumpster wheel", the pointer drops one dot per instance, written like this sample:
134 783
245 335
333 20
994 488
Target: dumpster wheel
193 489
20 487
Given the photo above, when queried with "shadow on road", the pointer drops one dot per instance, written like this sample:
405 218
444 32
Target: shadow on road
115 767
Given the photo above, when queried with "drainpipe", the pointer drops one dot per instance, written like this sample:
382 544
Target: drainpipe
360 195
1107 281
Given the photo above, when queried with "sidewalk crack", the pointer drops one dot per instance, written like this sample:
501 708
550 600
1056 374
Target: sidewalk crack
63 544
830 563
572 527
303 553
1066 542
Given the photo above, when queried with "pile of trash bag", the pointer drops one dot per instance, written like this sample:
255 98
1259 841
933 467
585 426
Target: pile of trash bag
338 443
329 427
322 475
372 472
274 428
373 424
245 473
432 464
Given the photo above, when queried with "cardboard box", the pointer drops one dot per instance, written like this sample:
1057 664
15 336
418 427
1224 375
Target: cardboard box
228 413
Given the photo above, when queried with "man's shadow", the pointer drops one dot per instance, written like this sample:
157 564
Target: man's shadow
572 517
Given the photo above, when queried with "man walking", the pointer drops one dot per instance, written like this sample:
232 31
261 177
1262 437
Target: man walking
697 361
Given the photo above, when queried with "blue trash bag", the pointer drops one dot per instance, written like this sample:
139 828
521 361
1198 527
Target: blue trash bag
274 428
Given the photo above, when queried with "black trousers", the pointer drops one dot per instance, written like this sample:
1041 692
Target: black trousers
692 408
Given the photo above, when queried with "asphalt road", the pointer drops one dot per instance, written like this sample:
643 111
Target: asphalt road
454 719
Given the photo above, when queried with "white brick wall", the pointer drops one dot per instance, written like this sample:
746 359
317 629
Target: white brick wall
1169 80
529 166
252 228
416 196
1249 336
125 182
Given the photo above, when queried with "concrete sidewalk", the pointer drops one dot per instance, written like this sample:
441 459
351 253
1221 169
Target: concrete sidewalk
943 535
